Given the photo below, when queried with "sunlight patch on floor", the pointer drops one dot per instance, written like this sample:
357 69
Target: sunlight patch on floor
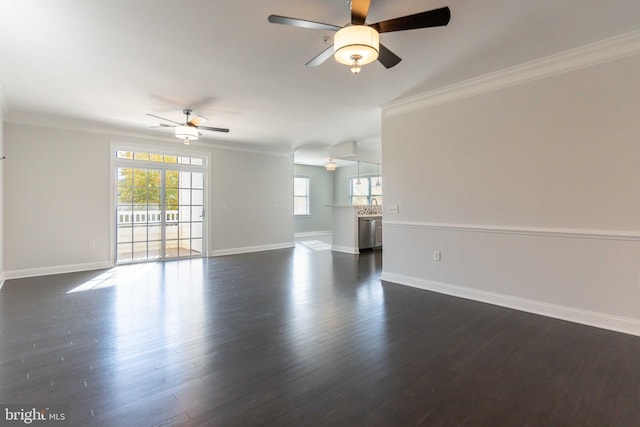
313 245
114 276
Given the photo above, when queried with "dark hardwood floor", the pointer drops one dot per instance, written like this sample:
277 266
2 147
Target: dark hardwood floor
299 337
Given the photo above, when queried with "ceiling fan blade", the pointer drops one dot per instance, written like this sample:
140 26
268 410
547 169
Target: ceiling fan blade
431 18
197 120
162 125
388 58
321 57
200 103
359 11
213 129
162 118
302 23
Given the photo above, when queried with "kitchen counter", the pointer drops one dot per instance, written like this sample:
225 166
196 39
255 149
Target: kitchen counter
345 226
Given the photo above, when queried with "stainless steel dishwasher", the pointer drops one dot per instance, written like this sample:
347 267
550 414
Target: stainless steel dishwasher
366 232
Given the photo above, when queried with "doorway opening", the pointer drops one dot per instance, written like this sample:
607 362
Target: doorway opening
160 206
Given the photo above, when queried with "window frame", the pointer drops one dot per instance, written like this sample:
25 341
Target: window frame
372 179
201 164
306 196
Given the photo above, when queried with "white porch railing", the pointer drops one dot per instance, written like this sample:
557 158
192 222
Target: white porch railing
146 216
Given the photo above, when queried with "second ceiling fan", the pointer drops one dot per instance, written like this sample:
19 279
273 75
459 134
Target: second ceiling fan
359 44
188 130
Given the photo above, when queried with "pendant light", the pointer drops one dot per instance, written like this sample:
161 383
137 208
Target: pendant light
378 177
330 165
358 181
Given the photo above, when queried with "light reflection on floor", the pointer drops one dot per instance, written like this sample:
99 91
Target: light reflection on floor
127 273
124 274
313 245
113 276
316 282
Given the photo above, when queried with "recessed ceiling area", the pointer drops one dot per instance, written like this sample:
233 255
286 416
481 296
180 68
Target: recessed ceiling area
115 61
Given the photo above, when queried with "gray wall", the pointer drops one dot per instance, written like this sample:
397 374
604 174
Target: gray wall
530 191
343 173
321 197
58 201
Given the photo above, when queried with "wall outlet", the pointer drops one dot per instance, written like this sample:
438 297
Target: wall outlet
393 209
437 256
246 232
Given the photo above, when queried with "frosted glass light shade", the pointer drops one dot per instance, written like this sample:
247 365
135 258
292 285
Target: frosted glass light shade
330 165
187 132
356 40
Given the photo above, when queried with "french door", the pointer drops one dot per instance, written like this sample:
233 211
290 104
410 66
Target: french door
160 213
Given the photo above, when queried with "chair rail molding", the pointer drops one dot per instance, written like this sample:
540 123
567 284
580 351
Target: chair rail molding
531 231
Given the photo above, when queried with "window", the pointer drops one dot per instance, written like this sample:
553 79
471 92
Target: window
158 157
301 195
368 192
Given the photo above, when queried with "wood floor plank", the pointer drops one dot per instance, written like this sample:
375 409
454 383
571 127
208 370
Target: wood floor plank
297 337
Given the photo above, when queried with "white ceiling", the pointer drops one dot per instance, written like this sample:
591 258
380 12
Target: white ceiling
113 61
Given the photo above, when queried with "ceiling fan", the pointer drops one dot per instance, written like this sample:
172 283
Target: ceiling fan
188 131
357 44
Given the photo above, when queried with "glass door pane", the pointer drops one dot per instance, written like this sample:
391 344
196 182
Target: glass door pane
185 231
160 214
138 205
172 213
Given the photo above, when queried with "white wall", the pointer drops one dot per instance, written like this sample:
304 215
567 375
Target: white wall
57 198
251 201
529 191
320 200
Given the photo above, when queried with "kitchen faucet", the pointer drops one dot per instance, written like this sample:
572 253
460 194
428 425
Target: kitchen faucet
374 200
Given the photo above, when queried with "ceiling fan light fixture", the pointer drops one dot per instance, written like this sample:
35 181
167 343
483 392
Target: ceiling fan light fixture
356 45
355 65
186 133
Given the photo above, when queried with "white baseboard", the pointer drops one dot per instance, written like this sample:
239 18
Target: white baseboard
599 320
57 269
312 234
249 249
345 249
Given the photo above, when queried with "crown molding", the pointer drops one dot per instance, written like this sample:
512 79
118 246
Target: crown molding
610 49
45 120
